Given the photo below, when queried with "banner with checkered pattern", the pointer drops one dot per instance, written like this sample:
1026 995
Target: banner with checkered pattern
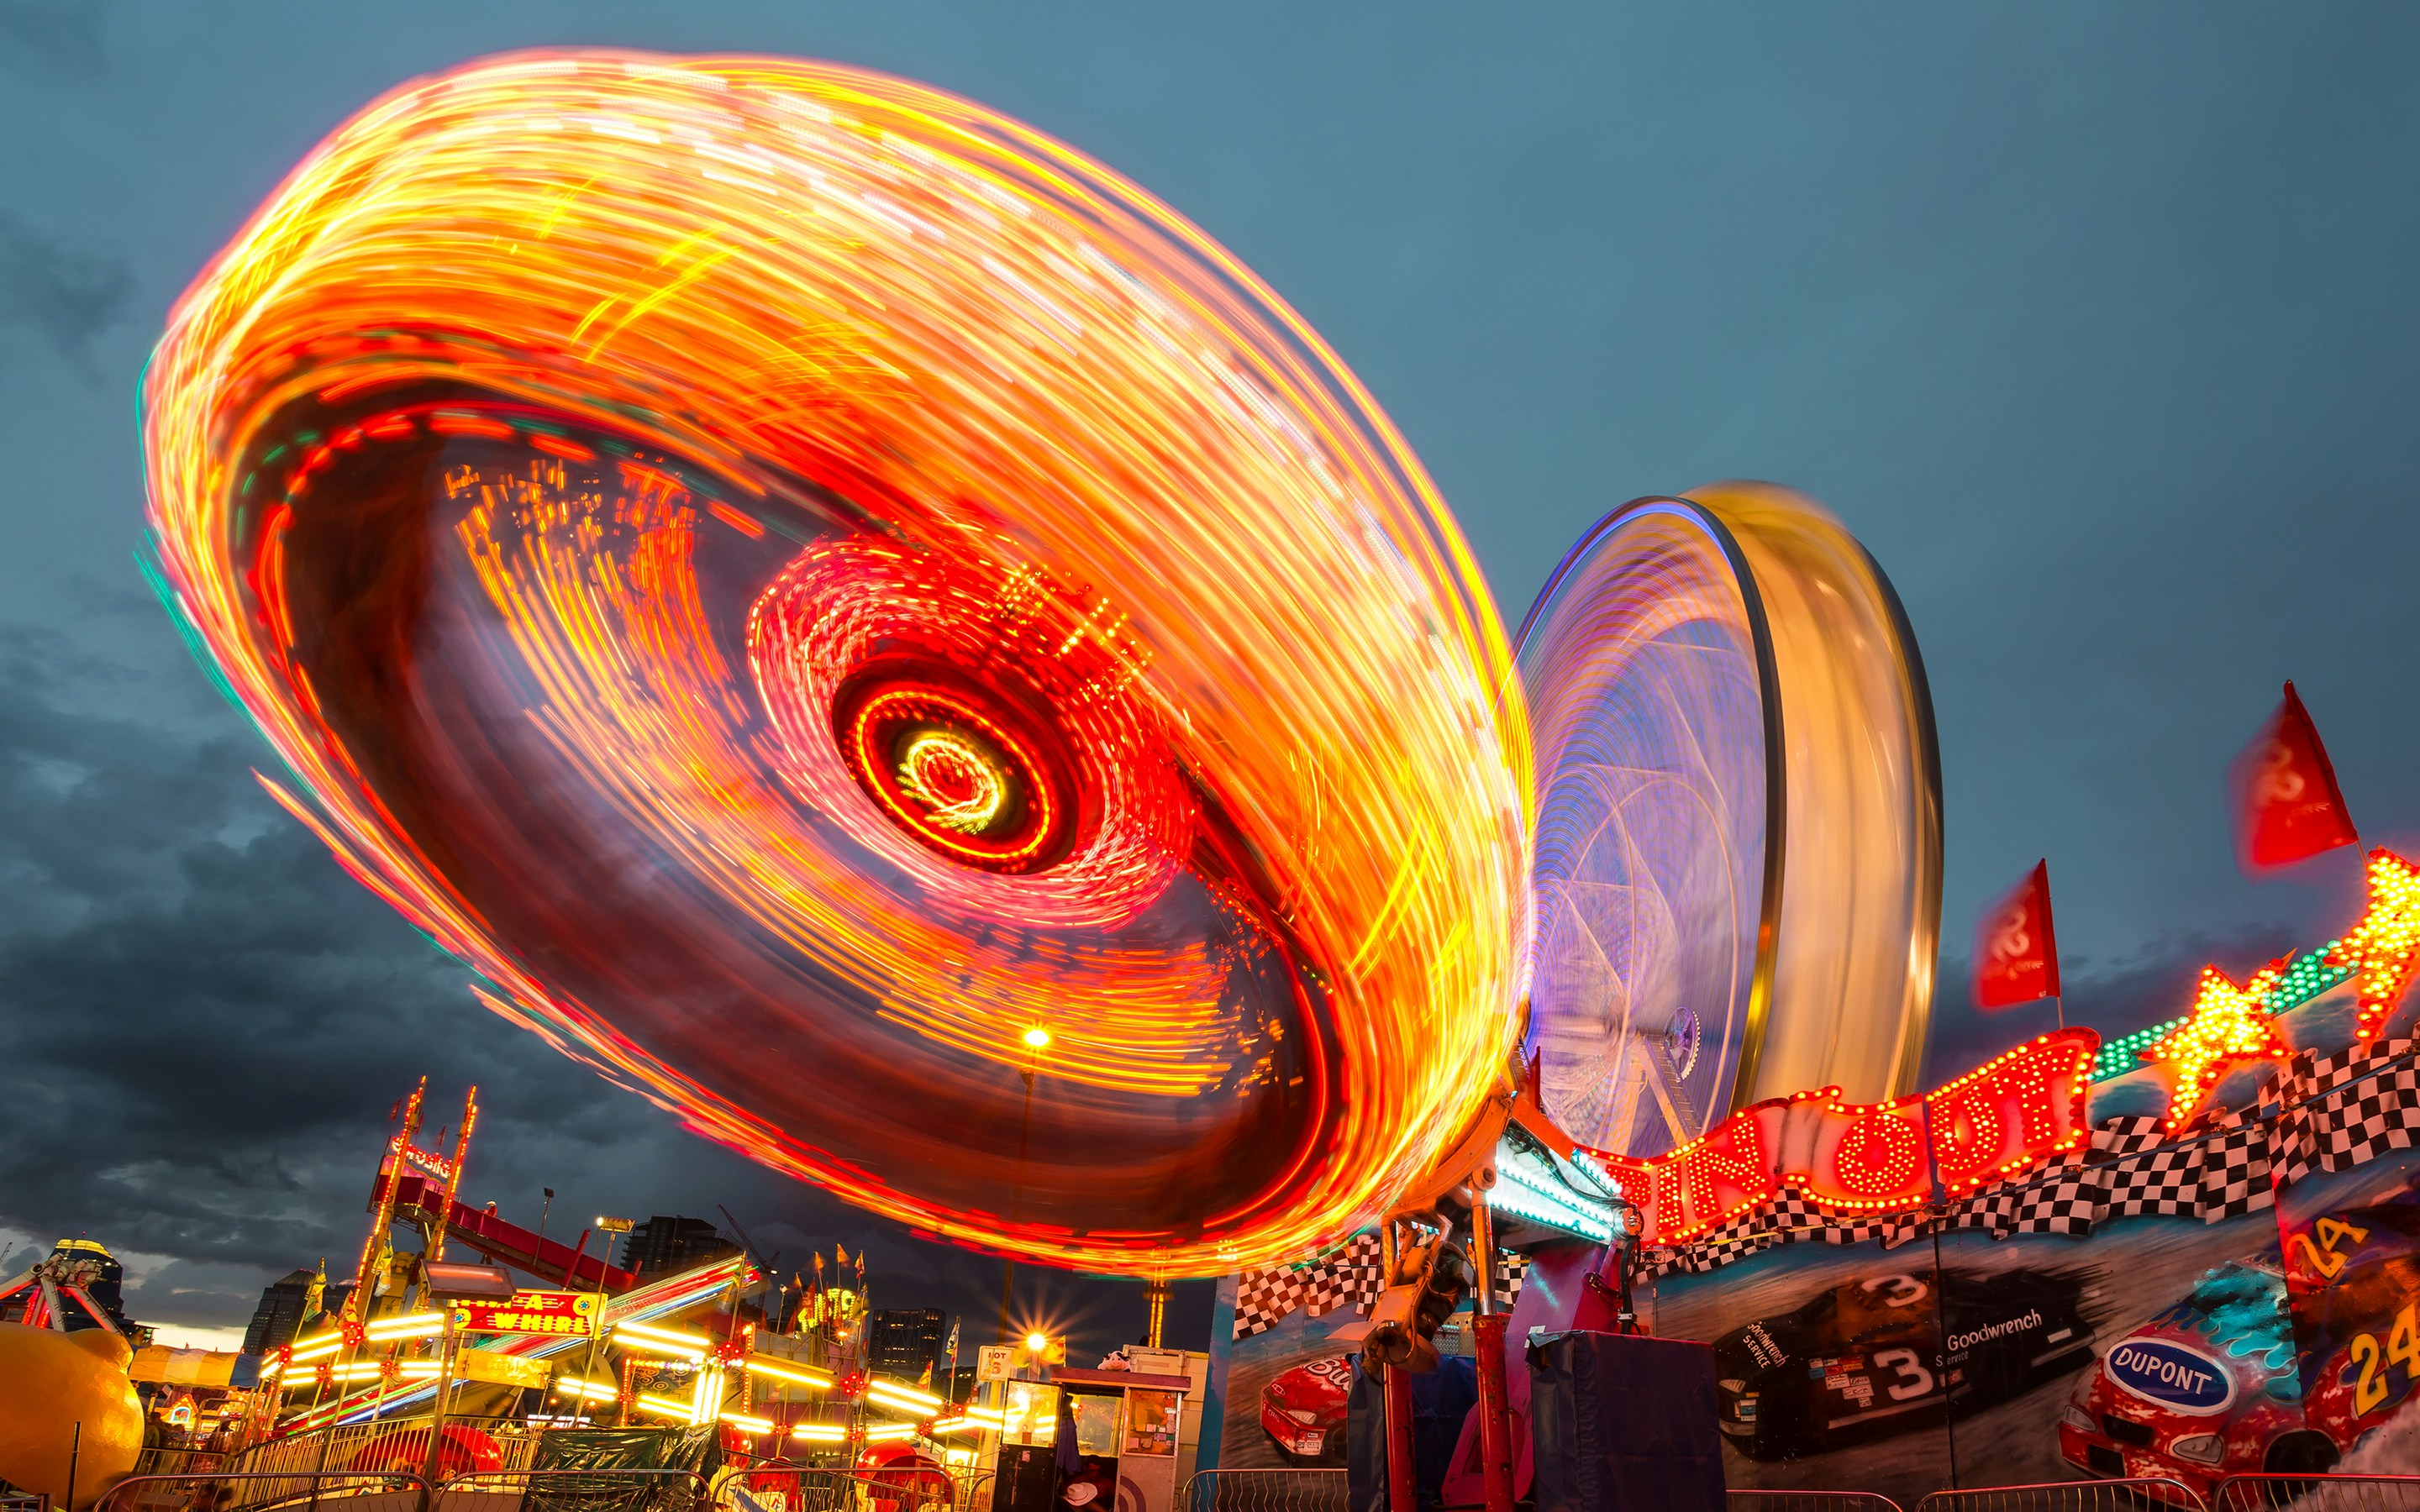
1352 1276
2319 1113
1349 1276
2337 1112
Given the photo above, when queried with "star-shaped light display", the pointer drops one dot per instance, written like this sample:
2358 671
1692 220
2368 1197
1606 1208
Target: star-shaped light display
2384 948
2227 1024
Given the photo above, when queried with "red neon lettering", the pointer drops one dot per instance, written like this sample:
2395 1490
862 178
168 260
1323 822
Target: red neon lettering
1968 1132
1729 1163
2011 1113
1880 1156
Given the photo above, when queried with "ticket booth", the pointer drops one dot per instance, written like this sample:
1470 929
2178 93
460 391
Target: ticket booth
1129 1427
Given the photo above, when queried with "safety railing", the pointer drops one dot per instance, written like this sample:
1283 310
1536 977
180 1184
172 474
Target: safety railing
25 1502
159 1460
1777 1501
221 1491
1263 1490
778 1486
2319 1493
621 1489
472 1444
2068 1496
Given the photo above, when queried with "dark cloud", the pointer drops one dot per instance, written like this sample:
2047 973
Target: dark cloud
204 1024
64 295
54 37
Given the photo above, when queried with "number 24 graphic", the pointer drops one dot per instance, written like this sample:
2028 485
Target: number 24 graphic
2402 1347
2327 1256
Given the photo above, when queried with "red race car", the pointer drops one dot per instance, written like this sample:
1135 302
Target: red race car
2205 1389
1303 1411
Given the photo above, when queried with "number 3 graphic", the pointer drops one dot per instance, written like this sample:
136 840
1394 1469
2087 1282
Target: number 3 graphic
1913 1379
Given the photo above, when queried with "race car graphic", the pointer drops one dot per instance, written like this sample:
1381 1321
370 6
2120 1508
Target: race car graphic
1864 1360
1304 1409
2353 1279
2205 1389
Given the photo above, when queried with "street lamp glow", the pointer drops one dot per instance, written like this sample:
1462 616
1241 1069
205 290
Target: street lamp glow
1036 1343
1038 1037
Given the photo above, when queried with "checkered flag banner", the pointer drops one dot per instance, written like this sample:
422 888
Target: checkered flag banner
2117 1139
1350 1276
1511 1273
2065 1203
2309 1075
1742 1235
2235 1171
2344 1110
2319 1113
2164 1182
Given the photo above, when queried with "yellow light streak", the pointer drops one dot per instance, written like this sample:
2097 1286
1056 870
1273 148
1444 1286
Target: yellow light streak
758 1364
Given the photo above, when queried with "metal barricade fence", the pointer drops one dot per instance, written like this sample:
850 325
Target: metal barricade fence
778 1486
634 1488
2319 1493
973 1488
1263 1490
159 1459
1772 1501
219 1491
2068 1496
381 1444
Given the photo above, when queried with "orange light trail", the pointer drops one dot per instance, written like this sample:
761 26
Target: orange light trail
577 445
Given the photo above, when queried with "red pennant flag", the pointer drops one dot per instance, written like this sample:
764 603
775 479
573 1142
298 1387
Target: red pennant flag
2016 954
2287 807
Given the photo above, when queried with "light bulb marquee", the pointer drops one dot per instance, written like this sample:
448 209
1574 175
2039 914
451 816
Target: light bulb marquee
2232 1023
2229 1024
2382 950
2002 1119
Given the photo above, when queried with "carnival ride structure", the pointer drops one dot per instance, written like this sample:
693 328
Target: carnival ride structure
1738 862
63 1363
862 625
836 605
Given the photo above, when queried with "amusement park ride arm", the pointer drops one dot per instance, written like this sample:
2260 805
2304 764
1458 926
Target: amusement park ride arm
492 1238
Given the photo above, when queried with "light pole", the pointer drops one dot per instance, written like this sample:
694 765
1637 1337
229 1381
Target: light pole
1037 1040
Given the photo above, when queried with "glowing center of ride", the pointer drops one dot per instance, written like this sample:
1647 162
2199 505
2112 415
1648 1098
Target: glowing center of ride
958 776
958 770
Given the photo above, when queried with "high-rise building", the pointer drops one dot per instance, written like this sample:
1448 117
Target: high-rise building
275 1322
669 1243
904 1342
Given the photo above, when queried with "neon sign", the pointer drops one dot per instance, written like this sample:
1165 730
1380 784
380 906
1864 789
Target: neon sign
2002 1118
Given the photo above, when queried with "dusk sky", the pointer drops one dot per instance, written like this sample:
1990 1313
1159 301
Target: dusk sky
2095 323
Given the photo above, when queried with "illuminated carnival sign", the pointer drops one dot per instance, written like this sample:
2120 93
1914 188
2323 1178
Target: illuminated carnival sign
2383 948
562 1313
1998 1119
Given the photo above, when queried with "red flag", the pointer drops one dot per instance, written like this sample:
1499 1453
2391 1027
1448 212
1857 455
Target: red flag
2287 807
2016 953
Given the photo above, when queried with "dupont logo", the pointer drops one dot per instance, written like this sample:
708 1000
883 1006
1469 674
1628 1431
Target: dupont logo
2177 1377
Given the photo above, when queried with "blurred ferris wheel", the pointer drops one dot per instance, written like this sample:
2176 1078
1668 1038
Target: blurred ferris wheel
1738 860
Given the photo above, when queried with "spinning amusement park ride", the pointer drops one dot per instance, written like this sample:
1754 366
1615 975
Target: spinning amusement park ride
869 630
